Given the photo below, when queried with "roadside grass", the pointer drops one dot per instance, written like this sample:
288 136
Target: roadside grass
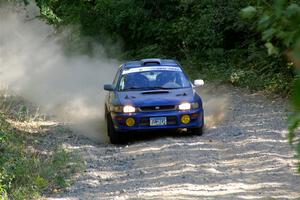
271 83
26 170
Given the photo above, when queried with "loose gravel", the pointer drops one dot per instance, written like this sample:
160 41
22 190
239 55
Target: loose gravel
243 154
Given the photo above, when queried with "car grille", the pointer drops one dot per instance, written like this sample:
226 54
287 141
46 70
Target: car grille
157 108
171 120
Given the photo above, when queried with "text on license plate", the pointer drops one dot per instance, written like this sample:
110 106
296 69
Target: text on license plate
158 121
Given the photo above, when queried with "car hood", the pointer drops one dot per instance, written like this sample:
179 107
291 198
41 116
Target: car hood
156 97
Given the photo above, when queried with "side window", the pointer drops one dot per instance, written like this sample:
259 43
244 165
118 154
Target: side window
122 83
116 78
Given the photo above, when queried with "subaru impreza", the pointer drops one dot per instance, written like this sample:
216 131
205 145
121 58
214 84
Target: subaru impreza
152 94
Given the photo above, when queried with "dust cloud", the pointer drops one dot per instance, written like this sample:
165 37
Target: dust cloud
33 65
215 104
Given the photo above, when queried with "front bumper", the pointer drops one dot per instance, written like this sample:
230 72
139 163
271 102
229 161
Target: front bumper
142 120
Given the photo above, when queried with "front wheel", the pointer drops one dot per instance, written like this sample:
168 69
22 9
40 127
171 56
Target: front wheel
196 131
114 136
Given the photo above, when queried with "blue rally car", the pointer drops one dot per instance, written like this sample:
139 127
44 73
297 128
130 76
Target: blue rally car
152 94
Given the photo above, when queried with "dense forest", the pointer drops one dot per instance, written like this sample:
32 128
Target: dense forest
208 36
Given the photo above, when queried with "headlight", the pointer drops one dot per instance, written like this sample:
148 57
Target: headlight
124 109
128 109
188 106
184 106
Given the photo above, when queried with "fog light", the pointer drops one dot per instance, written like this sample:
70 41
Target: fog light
130 121
185 119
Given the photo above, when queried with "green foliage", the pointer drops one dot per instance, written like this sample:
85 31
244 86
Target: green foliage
209 34
279 24
294 118
248 12
176 26
26 174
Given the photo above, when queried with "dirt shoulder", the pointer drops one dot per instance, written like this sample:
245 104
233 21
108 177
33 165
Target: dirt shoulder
243 154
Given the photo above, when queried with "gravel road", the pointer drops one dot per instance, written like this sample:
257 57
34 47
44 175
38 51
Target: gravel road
243 154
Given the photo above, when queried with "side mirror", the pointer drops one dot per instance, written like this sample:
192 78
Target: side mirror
198 82
109 87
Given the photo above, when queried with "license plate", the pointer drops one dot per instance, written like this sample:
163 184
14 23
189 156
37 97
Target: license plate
158 121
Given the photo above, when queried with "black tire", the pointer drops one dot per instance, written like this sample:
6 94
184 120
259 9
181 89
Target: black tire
198 130
114 136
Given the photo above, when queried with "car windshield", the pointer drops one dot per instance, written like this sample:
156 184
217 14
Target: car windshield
151 80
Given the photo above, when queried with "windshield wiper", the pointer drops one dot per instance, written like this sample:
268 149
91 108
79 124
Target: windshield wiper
151 88
133 88
165 88
156 88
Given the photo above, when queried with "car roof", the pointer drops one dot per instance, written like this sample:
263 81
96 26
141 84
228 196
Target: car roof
150 62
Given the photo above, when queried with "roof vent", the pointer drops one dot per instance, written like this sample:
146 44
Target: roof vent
151 61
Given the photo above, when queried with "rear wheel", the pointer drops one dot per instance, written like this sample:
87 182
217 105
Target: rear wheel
114 136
